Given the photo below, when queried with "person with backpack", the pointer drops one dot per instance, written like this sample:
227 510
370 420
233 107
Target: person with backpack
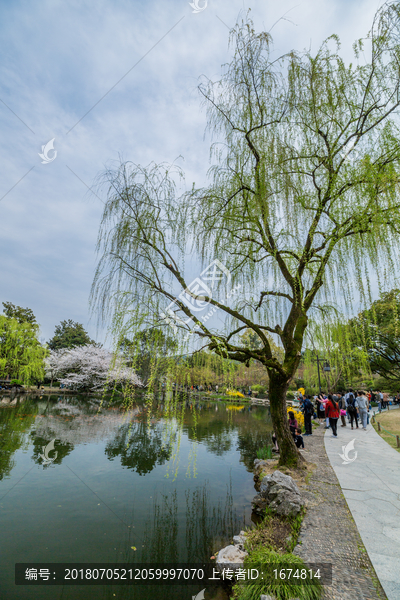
332 412
352 409
308 410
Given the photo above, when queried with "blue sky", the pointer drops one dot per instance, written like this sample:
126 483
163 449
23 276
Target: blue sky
58 61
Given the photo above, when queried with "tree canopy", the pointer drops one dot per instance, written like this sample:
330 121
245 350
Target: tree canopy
21 354
303 199
69 334
377 329
22 315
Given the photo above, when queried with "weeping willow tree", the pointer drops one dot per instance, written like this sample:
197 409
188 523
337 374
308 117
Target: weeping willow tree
21 354
302 203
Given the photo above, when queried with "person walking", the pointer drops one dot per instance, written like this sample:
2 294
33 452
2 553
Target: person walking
320 408
342 408
308 409
332 412
352 410
362 405
385 402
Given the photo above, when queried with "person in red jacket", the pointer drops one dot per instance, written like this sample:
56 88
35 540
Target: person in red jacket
332 411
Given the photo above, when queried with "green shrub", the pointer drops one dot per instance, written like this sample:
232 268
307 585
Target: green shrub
16 382
264 452
277 588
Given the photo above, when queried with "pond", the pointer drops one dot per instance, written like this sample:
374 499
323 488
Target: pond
165 482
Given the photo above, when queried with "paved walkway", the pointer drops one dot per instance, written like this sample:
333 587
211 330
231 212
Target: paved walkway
371 486
329 534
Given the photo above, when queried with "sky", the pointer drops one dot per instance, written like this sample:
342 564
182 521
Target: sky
105 80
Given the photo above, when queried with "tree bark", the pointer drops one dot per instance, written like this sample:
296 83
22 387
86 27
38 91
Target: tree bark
288 453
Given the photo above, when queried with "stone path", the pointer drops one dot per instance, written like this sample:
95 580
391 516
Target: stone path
371 486
329 533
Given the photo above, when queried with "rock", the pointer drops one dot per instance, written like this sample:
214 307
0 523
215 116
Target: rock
264 597
230 557
277 479
259 504
280 493
239 540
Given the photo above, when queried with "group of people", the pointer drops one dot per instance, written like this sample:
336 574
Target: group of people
351 405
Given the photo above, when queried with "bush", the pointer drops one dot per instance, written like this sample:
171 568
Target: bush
261 390
16 382
277 588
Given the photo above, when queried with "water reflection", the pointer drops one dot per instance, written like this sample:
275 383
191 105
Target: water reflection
139 446
109 488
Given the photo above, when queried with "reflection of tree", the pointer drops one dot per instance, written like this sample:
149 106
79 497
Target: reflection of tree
160 538
14 422
141 448
208 526
217 429
62 449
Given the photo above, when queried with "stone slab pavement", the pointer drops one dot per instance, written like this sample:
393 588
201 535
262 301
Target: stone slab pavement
370 481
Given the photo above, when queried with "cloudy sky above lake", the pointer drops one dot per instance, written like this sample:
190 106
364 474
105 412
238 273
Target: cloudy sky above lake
60 61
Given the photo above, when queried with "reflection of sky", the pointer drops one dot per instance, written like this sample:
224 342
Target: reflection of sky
91 508
58 60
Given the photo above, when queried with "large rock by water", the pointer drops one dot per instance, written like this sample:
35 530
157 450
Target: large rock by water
230 557
280 494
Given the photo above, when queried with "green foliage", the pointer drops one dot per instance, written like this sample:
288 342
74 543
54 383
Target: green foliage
377 330
16 382
69 334
279 589
21 354
264 453
261 389
22 315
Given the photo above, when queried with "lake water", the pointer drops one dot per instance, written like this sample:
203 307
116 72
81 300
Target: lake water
161 483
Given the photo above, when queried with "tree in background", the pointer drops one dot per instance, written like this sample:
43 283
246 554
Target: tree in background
21 354
149 352
69 334
304 198
53 364
377 329
22 315
90 368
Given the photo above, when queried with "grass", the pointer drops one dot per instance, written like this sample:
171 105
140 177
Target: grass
391 421
266 560
270 545
264 453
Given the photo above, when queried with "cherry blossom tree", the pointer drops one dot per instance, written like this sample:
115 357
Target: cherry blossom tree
91 368
53 364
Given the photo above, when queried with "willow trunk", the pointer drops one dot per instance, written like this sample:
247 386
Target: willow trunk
288 453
